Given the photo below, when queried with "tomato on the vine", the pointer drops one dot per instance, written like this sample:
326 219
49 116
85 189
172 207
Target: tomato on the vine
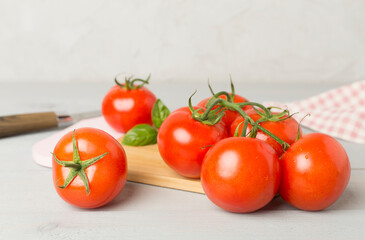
315 172
241 174
230 115
89 168
286 130
184 141
126 105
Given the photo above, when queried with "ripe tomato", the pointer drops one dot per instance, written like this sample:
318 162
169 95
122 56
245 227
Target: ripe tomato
89 169
286 130
315 172
230 115
183 141
123 109
241 174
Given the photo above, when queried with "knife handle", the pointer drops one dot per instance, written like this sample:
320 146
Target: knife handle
23 123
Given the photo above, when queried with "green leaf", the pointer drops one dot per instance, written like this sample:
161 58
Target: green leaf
140 135
159 113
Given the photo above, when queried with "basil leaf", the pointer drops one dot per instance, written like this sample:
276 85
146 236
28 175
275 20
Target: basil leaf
159 113
140 135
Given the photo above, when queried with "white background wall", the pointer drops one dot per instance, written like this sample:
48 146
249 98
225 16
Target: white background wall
289 40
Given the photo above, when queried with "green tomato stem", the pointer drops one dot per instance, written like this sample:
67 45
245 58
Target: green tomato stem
233 92
129 82
266 110
143 82
237 107
210 107
229 98
244 129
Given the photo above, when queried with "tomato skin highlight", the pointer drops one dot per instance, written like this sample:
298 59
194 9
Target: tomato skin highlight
183 141
241 174
286 130
123 109
315 172
230 115
106 177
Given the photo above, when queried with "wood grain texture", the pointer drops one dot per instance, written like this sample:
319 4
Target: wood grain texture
22 123
145 165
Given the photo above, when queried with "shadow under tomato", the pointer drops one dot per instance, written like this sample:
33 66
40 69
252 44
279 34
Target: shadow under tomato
125 196
276 204
349 200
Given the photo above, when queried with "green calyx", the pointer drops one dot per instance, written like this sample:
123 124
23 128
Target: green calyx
212 115
266 115
215 110
130 83
229 104
77 167
209 116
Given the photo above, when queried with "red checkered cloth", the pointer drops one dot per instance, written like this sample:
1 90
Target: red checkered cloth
339 112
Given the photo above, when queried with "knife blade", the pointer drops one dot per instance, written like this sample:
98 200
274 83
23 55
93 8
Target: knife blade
23 123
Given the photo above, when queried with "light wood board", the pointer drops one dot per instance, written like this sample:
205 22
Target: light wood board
145 165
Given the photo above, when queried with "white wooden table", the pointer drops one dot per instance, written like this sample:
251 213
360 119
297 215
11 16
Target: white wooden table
31 209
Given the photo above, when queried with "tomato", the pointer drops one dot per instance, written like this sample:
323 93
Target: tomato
315 172
103 170
230 115
123 109
241 174
286 130
183 141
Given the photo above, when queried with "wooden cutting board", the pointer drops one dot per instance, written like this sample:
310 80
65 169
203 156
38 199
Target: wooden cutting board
145 165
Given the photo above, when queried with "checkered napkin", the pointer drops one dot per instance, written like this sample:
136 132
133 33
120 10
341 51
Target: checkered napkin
339 112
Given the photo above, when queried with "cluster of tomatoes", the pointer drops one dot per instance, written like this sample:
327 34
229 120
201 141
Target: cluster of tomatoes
243 152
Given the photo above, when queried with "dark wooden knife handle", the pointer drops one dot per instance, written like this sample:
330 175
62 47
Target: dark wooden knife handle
23 123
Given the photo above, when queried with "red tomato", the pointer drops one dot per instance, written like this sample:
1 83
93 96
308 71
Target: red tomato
241 174
230 115
105 178
315 172
183 141
286 130
123 109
